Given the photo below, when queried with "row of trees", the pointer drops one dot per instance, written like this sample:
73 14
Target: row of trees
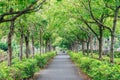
84 20
23 21
103 15
59 23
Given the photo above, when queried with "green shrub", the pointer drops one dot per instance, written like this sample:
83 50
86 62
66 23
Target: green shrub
27 68
41 61
117 54
85 63
97 70
3 46
24 69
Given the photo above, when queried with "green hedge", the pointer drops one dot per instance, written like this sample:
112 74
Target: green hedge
22 70
97 70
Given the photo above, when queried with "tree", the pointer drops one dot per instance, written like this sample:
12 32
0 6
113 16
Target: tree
14 13
115 9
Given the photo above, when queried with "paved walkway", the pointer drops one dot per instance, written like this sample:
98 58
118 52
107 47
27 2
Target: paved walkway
61 68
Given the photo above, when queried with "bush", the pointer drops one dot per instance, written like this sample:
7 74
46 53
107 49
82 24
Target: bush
117 54
97 70
3 46
24 69
27 68
42 60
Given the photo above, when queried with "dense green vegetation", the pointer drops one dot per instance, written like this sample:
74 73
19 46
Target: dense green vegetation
34 27
24 69
3 46
96 69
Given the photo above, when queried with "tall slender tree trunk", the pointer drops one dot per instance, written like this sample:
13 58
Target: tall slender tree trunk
43 44
91 45
33 49
40 37
10 34
27 47
100 43
76 48
113 34
21 40
21 44
27 44
49 45
73 46
83 47
88 43
112 49
97 44
46 46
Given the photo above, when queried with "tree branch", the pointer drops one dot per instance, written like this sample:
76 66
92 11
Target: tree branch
19 13
98 22
89 27
108 6
86 30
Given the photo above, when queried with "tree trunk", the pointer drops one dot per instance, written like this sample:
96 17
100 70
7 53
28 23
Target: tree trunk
10 43
113 34
91 45
46 46
76 48
27 44
100 43
83 47
88 47
21 44
73 47
97 44
40 41
112 49
49 46
33 49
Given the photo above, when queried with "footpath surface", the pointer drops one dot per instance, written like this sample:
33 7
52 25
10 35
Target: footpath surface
61 68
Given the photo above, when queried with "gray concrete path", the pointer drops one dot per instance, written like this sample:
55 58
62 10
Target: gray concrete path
61 68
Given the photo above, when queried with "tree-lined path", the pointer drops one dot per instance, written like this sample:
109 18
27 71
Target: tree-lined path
61 68
31 31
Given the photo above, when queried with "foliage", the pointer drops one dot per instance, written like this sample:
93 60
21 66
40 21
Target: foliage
41 61
2 52
97 70
24 69
3 46
117 54
57 23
